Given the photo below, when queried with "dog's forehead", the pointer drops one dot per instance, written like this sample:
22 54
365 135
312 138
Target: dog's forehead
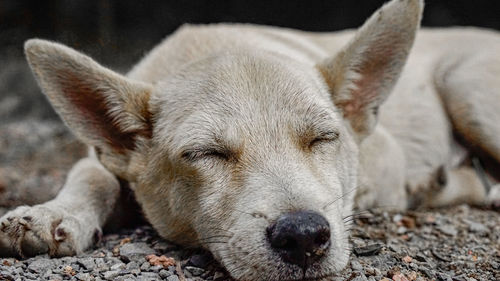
257 96
244 86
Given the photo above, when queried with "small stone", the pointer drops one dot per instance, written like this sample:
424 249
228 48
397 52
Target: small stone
110 275
68 260
125 241
135 271
395 248
162 260
84 276
360 277
426 271
134 251
88 263
4 275
148 276
128 277
407 259
477 227
408 222
401 230
69 270
368 250
55 277
173 278
40 265
412 276
443 277
196 271
145 266
397 218
399 277
448 229
421 258
164 273
156 268
132 265
118 266
355 265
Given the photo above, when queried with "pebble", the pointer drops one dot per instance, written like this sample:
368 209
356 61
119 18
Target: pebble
401 230
477 227
360 277
145 266
434 252
447 229
355 265
83 276
195 270
164 273
110 275
132 265
134 251
40 265
118 266
173 278
156 268
368 250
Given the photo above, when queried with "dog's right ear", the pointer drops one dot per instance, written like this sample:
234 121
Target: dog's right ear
102 108
361 76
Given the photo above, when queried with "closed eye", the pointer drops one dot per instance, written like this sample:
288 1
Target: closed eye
203 153
324 137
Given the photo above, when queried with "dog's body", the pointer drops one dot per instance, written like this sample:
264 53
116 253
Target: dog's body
234 131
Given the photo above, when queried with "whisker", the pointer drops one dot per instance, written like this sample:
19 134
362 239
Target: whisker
340 197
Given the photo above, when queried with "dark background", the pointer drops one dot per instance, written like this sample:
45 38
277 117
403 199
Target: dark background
102 28
118 33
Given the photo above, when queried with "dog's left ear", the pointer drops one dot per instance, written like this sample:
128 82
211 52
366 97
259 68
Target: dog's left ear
361 76
104 109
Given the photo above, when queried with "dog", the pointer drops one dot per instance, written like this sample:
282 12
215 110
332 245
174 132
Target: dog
266 138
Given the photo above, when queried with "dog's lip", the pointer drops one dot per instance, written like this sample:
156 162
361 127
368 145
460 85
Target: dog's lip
313 278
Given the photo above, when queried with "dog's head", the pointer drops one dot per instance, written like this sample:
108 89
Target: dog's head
251 155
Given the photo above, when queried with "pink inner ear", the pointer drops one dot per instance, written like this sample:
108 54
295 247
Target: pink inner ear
375 74
92 113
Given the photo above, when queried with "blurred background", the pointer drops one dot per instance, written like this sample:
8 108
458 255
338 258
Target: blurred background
36 151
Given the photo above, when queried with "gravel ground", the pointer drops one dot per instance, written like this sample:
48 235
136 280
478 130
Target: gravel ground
459 243
36 152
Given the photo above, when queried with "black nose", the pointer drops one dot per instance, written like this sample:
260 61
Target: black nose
301 237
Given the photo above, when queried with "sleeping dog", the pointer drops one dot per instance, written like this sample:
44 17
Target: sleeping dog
266 138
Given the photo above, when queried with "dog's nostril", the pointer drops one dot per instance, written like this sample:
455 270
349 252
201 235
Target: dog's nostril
322 237
300 238
284 243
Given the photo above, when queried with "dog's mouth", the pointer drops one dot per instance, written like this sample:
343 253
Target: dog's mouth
296 246
277 270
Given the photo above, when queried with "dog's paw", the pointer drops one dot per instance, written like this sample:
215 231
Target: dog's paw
40 229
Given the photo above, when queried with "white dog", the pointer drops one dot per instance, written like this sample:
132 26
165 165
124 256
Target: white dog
259 136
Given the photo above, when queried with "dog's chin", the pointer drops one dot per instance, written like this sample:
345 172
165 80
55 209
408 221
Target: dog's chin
259 262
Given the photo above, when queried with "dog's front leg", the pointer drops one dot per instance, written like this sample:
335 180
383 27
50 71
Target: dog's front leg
68 224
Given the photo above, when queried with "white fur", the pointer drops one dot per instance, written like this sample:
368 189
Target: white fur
216 128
